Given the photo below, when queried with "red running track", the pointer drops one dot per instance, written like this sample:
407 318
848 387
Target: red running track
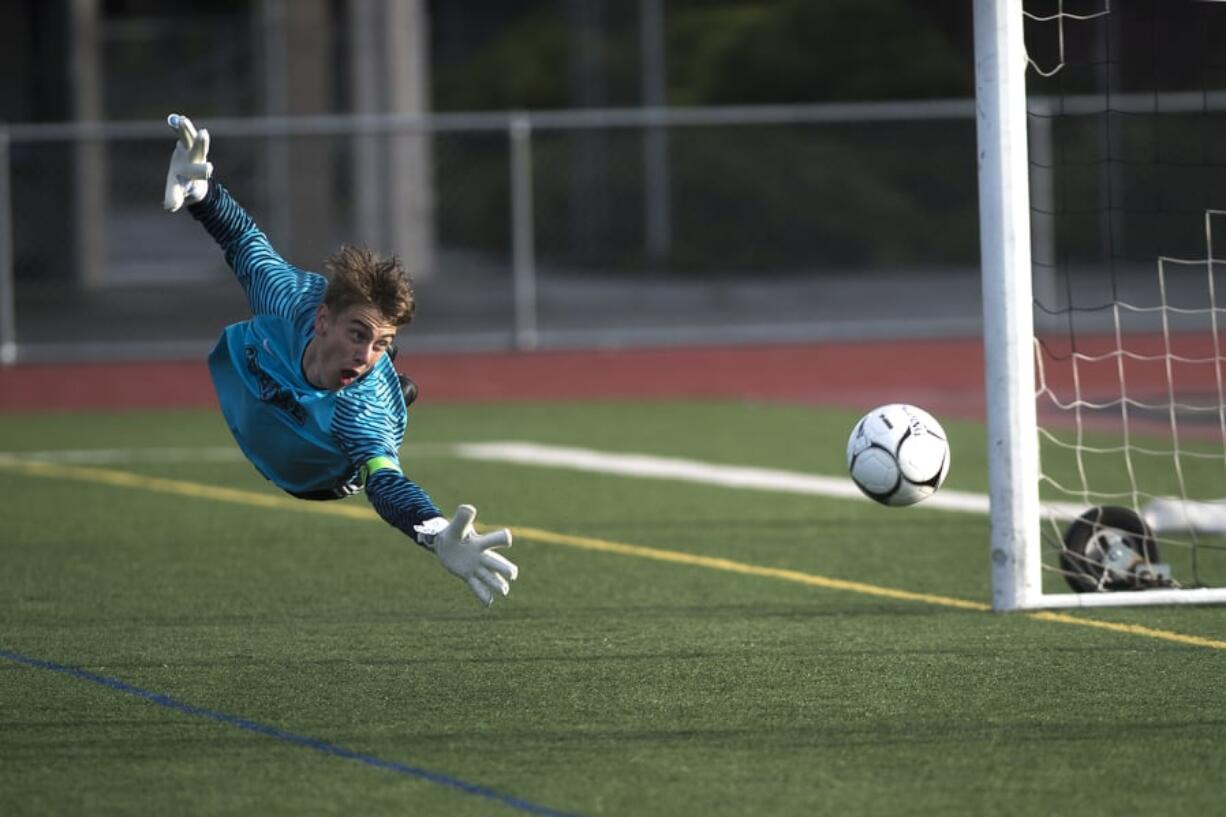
945 376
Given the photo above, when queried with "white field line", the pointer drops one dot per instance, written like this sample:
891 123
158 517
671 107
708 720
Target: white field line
728 476
643 466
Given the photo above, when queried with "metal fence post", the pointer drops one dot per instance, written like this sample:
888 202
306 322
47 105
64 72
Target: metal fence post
8 312
523 240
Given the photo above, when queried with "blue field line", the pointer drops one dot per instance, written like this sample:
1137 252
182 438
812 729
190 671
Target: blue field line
288 737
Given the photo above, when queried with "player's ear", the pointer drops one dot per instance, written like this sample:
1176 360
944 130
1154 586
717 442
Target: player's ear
322 319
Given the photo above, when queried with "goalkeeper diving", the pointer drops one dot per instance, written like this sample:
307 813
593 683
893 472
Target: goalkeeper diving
307 385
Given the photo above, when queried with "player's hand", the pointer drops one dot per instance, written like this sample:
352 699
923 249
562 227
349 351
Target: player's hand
469 555
187 180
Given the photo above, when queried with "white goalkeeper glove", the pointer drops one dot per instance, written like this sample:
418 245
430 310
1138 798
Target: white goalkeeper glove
187 180
469 555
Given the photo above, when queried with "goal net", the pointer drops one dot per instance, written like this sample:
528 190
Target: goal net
1118 210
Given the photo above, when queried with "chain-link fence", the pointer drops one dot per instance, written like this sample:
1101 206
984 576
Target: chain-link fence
595 227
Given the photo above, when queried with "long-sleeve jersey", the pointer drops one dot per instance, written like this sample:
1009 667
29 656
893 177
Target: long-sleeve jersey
304 439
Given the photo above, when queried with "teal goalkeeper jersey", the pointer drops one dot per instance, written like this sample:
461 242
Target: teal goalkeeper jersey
301 438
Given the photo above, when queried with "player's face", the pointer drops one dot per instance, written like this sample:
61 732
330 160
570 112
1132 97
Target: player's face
350 343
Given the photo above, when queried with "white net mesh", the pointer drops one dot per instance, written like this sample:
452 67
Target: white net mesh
1057 20
1128 175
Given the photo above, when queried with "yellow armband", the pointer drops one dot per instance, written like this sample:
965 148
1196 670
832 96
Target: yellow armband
379 464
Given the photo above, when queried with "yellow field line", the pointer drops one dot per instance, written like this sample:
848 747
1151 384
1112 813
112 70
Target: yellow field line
730 566
1131 629
126 479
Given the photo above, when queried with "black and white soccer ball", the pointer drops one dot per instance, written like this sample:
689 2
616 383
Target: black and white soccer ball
898 454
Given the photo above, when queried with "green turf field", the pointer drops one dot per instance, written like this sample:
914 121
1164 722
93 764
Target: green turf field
167 648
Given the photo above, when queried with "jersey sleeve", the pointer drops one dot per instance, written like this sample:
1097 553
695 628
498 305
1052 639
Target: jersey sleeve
369 423
273 286
400 501
369 427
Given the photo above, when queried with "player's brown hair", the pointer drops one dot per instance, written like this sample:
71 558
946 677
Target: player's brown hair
362 276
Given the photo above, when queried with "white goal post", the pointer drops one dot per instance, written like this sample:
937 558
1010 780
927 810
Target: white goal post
1021 561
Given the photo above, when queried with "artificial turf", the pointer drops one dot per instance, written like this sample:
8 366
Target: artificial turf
605 684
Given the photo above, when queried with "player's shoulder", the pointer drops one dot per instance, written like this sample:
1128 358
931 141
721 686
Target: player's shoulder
272 332
313 281
307 300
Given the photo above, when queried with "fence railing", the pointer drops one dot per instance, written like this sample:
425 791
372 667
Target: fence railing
772 223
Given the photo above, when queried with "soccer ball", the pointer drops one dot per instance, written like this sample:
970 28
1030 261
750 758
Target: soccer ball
898 454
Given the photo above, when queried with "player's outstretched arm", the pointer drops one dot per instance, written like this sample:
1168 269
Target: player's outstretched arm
187 178
272 285
471 556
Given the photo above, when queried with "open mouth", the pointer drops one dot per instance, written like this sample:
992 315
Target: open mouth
348 376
